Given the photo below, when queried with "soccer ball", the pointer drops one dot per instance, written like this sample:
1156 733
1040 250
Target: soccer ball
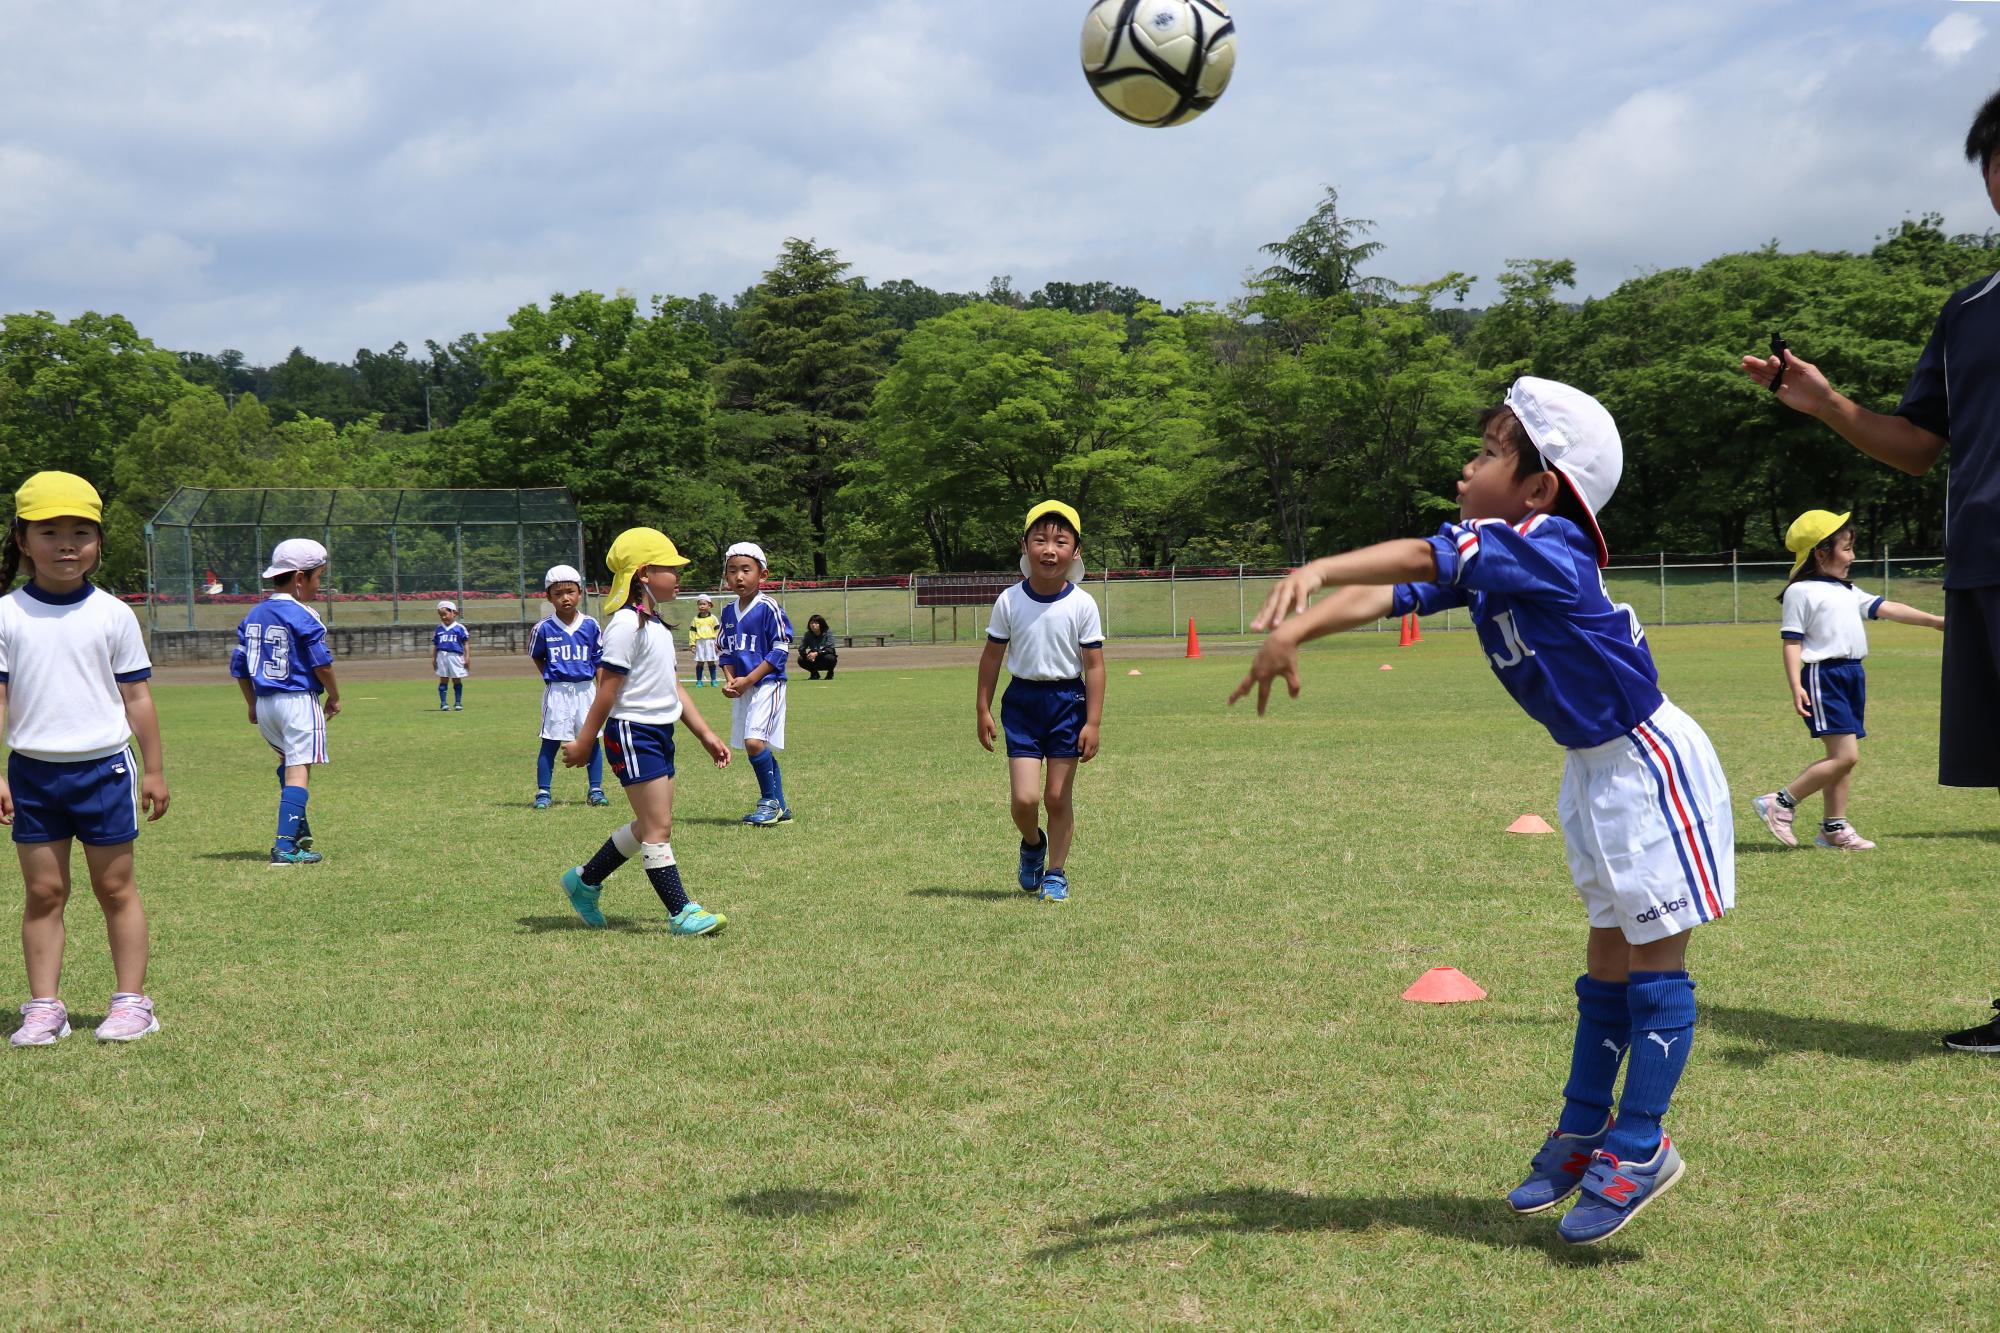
1158 62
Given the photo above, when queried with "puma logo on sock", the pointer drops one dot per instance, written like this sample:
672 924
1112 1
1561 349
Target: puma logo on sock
1666 1047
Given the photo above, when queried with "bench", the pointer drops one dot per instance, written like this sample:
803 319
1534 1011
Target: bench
881 640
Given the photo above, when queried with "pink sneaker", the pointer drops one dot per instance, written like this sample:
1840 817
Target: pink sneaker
1776 818
131 1018
1843 839
43 1023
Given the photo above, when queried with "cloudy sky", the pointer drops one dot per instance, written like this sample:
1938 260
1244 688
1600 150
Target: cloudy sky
348 174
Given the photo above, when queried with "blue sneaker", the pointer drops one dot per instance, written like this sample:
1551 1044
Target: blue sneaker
694 919
296 857
597 796
542 801
1615 1191
1556 1171
1033 861
1055 887
582 897
768 813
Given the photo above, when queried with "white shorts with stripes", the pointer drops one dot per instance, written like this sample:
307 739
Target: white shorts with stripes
760 716
1652 842
294 725
565 703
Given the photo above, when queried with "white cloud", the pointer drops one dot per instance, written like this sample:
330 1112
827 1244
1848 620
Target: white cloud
1954 37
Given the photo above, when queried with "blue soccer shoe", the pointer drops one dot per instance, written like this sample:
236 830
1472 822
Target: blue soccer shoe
768 813
1556 1171
1614 1192
582 897
1033 861
1055 887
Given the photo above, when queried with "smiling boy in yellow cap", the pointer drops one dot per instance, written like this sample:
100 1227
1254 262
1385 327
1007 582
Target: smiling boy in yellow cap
1824 627
1048 631
639 698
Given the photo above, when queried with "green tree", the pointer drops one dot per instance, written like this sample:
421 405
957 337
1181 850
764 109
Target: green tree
1324 254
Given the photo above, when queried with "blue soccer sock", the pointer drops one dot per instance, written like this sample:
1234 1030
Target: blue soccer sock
291 814
545 764
770 785
597 768
1662 1006
1603 1031
443 685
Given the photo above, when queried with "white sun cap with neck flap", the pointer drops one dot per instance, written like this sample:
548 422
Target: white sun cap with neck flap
1577 439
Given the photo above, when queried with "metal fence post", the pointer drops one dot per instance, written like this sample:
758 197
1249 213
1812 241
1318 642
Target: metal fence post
187 546
1663 587
458 561
1173 599
1885 571
1107 600
910 587
1241 625
1735 588
846 617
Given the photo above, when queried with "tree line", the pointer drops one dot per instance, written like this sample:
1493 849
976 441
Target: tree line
859 427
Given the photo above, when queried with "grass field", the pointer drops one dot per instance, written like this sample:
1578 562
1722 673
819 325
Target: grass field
406 1089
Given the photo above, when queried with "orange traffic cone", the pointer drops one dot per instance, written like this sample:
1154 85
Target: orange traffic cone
1194 640
1416 629
1444 985
1405 641
1530 823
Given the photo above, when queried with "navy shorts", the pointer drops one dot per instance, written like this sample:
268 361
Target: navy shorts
1042 718
1969 713
1838 688
95 801
639 751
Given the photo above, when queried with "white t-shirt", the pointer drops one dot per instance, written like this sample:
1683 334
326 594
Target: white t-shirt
1825 617
62 661
1045 636
652 693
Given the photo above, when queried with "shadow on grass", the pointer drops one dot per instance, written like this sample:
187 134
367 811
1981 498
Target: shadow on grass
233 856
1767 848
1774 1034
976 895
784 1202
1977 834
1253 1210
543 925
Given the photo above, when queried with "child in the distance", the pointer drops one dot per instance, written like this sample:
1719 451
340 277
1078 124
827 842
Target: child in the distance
564 645
640 697
1825 630
756 644
702 633
73 695
451 651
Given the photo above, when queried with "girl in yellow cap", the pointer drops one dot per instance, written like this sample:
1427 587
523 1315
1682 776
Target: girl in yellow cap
1048 631
639 698
1824 627
73 695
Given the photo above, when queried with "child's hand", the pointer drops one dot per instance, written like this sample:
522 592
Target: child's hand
733 687
1802 701
1086 743
987 731
576 753
1278 657
1292 596
6 802
153 795
253 714
333 705
718 749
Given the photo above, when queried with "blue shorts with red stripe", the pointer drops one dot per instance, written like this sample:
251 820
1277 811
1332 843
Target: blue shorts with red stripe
639 751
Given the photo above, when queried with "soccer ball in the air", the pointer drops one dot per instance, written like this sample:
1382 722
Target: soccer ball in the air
1158 62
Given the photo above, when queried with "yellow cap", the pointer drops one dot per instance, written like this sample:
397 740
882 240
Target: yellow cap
1809 530
57 495
635 549
1047 507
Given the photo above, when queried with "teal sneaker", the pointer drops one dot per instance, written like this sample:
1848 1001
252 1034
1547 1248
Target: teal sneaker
542 801
298 857
1034 860
597 796
694 919
768 813
1055 887
582 897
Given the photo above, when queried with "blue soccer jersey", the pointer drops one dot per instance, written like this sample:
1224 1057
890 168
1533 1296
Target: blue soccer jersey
450 638
759 634
1574 660
565 654
278 647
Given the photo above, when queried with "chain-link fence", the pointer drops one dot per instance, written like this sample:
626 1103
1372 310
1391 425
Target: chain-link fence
393 553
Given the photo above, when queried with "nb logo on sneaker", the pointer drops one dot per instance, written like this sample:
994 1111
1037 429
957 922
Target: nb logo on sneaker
1666 1046
1658 910
1620 1190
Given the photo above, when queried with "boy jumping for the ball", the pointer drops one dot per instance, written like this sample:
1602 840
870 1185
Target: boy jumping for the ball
1645 809
1049 633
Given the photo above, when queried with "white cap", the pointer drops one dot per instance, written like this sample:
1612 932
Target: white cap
704 598
751 549
447 605
561 574
1577 438
295 555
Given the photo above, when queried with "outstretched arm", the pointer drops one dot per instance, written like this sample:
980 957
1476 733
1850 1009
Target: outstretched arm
1406 560
1347 609
1908 615
1884 437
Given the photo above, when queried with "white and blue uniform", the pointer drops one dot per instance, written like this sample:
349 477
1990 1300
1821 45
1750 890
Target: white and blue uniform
567 655
757 633
448 649
1826 618
1044 706
1644 805
71 767
639 735
278 647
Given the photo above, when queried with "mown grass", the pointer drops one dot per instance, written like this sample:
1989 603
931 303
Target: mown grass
405 1089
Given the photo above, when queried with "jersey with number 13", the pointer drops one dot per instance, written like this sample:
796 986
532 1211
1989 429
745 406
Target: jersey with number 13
278 647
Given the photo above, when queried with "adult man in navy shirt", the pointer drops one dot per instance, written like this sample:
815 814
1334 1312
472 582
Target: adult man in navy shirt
1953 398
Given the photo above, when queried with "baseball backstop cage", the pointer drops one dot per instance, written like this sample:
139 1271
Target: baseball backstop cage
392 552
